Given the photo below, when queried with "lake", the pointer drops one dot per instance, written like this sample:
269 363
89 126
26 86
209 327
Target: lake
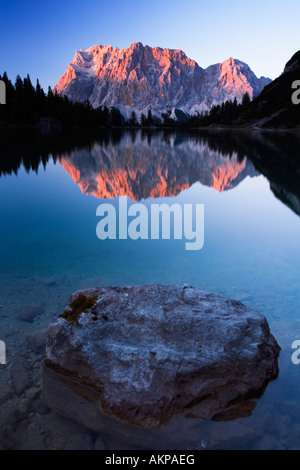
50 188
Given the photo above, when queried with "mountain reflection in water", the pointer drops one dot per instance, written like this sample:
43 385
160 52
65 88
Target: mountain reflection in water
142 164
159 168
49 249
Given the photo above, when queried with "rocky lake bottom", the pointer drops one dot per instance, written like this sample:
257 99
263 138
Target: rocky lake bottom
49 250
28 423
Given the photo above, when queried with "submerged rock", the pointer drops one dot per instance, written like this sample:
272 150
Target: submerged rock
37 341
29 312
20 377
152 351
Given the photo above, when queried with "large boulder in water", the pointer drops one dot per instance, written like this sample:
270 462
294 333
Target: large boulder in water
152 351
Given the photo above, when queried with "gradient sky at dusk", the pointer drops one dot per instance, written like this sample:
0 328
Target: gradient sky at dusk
40 38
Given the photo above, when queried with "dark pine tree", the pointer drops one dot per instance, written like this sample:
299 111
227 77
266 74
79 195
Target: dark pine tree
149 118
132 121
246 100
143 120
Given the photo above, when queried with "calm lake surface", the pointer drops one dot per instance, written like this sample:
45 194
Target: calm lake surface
49 194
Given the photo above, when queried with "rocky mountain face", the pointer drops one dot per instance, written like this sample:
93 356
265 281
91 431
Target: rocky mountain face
163 168
141 77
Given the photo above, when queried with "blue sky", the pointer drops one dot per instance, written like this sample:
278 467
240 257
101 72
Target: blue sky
40 38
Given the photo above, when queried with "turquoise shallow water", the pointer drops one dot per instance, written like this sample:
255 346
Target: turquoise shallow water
49 248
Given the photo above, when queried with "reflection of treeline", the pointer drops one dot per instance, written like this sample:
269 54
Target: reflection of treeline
275 155
28 148
276 147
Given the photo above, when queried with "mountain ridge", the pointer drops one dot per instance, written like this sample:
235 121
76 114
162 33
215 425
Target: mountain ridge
141 77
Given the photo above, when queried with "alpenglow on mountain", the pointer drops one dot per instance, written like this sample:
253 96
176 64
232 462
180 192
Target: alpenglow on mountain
142 77
163 169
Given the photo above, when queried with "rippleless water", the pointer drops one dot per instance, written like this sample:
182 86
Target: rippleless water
49 249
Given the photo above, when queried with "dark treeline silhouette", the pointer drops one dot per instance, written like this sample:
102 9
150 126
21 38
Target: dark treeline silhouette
273 107
30 105
225 114
27 105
